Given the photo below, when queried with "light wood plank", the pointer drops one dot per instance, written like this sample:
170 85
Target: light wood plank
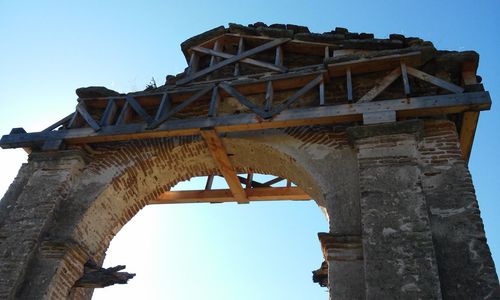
435 80
225 195
221 159
241 48
406 82
381 86
269 96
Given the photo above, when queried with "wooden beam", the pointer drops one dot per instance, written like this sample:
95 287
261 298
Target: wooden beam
249 61
243 100
59 123
328 114
138 109
80 108
469 118
109 113
349 83
269 97
220 196
406 82
214 100
164 107
297 95
381 85
375 64
241 48
221 159
210 181
179 107
278 58
435 80
467 133
234 59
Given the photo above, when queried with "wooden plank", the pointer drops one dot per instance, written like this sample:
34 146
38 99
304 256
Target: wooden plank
254 183
234 59
467 132
222 161
221 196
406 82
214 100
193 64
80 108
328 114
60 122
375 64
241 48
380 86
217 47
322 93
164 107
378 117
327 53
124 115
179 107
243 100
138 109
278 57
273 181
109 113
268 98
435 80
349 83
297 95
249 181
210 181
249 61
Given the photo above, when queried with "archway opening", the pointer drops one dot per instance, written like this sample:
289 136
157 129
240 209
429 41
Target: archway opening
261 250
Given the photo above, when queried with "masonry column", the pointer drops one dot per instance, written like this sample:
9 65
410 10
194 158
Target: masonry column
398 251
466 269
341 247
25 211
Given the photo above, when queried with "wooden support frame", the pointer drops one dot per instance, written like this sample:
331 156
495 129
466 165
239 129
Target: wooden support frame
435 80
233 59
222 161
406 81
301 92
243 100
404 108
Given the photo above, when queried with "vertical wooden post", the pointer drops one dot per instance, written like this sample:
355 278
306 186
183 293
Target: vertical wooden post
278 59
269 96
212 111
406 82
322 93
241 48
349 84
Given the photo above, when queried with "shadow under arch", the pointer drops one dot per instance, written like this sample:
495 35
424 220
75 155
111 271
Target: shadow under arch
120 180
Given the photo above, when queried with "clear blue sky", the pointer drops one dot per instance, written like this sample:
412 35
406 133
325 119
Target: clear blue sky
256 251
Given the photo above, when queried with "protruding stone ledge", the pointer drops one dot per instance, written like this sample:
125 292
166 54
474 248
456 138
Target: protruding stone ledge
403 127
341 247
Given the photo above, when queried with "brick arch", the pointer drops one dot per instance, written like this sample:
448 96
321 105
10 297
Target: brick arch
119 181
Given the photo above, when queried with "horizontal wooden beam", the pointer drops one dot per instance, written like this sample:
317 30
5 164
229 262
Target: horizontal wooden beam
220 196
405 108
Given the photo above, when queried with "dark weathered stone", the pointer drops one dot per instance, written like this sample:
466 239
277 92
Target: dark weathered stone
297 28
365 36
398 37
278 26
95 92
240 29
341 30
275 32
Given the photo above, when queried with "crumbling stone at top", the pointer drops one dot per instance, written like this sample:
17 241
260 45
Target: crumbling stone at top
339 36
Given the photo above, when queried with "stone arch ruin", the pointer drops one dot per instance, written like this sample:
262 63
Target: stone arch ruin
377 131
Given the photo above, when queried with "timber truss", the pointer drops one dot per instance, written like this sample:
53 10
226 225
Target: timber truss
271 95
